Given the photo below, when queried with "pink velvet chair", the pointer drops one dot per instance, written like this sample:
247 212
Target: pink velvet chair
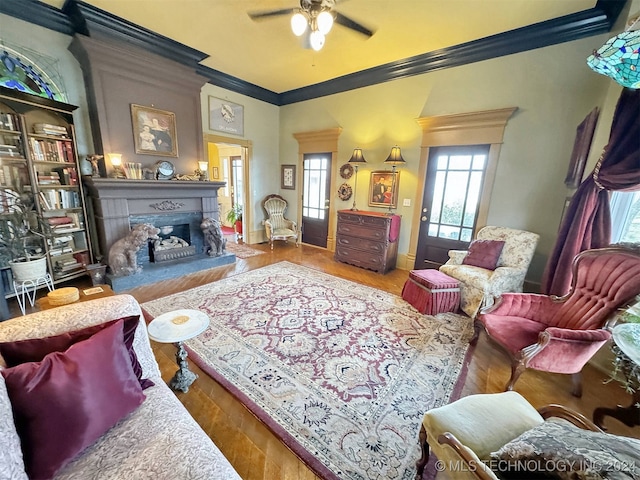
560 334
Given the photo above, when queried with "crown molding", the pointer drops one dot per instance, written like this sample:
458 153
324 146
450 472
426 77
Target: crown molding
583 24
78 17
38 13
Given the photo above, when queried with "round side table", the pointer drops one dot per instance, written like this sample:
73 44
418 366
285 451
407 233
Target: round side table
626 338
176 327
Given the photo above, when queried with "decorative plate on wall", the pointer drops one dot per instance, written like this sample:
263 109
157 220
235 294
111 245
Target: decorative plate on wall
346 171
344 191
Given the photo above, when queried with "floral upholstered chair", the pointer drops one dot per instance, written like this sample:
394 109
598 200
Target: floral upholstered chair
276 225
496 262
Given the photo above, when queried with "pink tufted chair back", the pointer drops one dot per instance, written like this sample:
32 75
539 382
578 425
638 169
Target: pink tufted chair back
603 280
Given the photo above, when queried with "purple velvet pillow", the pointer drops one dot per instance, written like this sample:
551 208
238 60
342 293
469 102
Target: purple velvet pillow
66 402
35 349
484 253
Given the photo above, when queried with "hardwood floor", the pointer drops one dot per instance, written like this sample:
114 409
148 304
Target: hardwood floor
257 454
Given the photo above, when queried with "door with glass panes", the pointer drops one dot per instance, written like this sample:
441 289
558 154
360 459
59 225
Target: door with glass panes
451 200
315 198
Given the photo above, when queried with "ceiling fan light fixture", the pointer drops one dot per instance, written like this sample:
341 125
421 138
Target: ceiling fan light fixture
298 24
316 39
325 22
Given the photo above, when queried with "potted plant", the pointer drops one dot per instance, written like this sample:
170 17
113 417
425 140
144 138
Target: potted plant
234 217
21 244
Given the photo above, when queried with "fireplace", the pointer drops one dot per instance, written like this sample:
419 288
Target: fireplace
175 207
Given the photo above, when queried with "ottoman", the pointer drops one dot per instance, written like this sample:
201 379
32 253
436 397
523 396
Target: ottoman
431 291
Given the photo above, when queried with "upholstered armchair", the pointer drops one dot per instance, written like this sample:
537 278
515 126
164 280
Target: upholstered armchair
489 436
560 334
277 227
481 282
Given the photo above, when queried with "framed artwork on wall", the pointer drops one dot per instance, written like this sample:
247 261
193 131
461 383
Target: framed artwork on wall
581 147
154 131
383 188
216 173
226 116
288 177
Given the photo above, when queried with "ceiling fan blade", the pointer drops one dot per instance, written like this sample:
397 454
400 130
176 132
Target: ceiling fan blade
352 24
271 13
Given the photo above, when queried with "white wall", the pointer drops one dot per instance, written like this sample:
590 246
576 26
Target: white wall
553 89
261 122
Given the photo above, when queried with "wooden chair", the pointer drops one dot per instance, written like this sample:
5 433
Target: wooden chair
463 433
278 227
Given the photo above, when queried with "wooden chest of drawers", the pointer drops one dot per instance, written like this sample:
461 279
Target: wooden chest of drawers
367 239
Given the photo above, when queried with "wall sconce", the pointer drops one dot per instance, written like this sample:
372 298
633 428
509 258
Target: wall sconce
203 170
116 163
356 158
395 160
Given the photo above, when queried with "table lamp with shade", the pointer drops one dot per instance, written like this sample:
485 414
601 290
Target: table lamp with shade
395 160
116 163
356 159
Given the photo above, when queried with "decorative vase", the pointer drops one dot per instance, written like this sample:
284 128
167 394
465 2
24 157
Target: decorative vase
98 273
24 271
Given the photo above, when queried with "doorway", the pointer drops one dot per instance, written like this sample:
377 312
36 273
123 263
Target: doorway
315 198
451 201
228 161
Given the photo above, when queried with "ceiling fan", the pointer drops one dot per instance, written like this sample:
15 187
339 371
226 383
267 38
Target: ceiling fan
314 17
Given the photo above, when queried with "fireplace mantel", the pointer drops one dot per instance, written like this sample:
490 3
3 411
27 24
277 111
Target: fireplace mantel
115 201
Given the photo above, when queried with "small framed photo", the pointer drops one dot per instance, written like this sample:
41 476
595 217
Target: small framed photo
154 131
226 116
288 179
216 172
383 188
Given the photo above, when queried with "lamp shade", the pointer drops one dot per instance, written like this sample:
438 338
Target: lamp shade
395 157
115 159
619 58
357 156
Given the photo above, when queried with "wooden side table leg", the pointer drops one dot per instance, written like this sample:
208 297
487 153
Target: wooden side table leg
630 415
184 377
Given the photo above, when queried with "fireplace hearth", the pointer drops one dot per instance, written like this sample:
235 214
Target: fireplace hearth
177 208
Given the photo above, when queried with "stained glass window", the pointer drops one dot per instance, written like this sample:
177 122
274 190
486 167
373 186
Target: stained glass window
18 73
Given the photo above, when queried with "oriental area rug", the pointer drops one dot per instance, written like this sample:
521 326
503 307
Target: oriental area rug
341 372
241 250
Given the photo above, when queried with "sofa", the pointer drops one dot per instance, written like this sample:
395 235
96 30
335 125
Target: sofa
157 439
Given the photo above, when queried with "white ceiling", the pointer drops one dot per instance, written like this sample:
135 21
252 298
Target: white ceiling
267 54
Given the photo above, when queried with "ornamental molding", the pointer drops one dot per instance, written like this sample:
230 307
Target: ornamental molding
167 205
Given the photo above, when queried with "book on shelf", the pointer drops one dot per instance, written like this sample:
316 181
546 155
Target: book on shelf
51 150
67 175
49 129
61 220
8 121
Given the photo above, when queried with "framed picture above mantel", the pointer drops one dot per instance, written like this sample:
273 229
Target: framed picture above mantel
154 131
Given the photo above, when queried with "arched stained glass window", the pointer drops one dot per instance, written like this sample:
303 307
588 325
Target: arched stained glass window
18 72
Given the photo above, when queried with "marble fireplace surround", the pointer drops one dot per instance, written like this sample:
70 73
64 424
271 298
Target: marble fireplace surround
118 204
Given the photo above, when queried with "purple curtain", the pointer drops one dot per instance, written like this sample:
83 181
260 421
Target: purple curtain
587 222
